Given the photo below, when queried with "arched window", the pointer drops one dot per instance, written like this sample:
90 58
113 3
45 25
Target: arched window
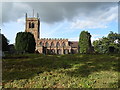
53 51
58 51
29 24
52 44
63 44
41 44
32 25
47 44
58 44
65 51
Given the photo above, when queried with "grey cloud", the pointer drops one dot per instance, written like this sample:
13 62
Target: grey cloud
51 12
13 11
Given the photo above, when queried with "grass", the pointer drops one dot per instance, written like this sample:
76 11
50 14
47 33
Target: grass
60 71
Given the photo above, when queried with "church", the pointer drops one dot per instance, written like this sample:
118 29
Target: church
49 45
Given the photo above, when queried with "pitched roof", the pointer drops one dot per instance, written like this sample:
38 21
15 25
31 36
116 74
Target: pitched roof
73 44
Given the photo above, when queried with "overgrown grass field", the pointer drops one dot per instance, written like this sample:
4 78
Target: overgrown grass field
60 71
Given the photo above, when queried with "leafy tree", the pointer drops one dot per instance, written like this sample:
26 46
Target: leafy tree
25 42
4 42
114 37
109 44
97 46
85 42
114 45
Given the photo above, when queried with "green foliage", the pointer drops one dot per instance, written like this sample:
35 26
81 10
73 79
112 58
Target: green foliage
113 36
109 44
85 42
25 42
4 42
60 71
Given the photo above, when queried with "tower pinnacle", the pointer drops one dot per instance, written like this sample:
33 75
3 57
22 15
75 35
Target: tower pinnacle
33 12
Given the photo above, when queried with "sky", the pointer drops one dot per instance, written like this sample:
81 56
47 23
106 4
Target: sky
61 19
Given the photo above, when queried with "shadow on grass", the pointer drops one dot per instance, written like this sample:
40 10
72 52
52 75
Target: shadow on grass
25 67
95 63
14 57
33 64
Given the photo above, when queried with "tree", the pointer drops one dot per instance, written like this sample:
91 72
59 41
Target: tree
114 42
25 42
4 42
109 44
97 46
85 42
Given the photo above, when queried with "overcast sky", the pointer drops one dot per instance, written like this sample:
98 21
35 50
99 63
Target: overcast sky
62 19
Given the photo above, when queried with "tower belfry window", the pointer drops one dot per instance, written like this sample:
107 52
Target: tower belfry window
31 25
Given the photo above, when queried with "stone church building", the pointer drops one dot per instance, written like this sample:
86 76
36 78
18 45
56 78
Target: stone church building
49 45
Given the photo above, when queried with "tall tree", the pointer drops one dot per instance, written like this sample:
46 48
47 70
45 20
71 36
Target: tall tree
4 42
85 42
25 42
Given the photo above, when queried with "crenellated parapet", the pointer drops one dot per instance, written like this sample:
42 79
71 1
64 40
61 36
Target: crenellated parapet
63 39
54 42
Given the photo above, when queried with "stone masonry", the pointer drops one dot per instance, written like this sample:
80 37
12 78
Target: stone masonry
48 45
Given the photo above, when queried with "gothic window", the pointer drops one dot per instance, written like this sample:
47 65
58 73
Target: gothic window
58 51
65 51
46 44
63 44
52 44
31 25
53 51
41 44
58 44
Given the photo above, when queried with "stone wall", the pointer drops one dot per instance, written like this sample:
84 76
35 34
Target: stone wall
53 46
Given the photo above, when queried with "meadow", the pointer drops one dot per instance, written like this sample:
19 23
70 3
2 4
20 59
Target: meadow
60 71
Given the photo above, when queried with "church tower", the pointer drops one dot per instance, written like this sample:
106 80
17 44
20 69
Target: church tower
33 25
